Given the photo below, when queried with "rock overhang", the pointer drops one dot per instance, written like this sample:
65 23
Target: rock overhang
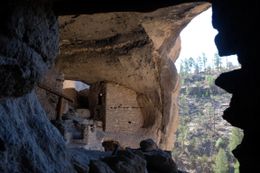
136 50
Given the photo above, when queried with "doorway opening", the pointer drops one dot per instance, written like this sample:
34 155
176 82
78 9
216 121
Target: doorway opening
82 115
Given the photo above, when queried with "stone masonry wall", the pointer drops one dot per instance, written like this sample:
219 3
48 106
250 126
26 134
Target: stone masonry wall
123 114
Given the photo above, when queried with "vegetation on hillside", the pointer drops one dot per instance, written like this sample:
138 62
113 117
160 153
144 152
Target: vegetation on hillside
204 140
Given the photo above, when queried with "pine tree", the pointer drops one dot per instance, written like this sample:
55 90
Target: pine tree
182 69
204 60
197 68
230 65
186 66
217 61
200 64
191 63
221 162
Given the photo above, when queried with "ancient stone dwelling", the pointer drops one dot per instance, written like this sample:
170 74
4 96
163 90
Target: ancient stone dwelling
105 112
105 109
125 51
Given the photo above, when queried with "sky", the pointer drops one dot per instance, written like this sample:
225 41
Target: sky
198 37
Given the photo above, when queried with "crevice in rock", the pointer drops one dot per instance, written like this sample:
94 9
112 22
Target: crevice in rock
2 145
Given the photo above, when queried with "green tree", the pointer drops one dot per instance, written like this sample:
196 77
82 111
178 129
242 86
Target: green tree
208 70
183 133
191 63
200 64
220 143
221 162
197 68
182 69
210 80
217 62
235 139
186 66
230 66
236 167
204 60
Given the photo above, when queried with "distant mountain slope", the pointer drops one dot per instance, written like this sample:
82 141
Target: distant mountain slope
203 134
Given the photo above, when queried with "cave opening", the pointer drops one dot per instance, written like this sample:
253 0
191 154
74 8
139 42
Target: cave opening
120 111
204 140
29 39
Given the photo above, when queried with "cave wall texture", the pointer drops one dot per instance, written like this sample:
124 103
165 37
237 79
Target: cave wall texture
134 50
29 39
29 45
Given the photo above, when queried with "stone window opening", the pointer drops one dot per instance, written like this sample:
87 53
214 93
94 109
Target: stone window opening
78 92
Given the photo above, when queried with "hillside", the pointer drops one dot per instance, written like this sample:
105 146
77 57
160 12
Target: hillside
204 140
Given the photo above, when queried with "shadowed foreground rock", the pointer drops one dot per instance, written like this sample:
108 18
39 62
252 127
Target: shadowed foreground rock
159 161
29 44
29 142
243 84
126 161
97 166
143 160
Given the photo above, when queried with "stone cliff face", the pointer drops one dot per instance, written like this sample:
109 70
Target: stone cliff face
135 50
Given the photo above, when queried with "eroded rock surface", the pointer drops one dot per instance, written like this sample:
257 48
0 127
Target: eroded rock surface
29 33
134 50
52 81
29 44
29 142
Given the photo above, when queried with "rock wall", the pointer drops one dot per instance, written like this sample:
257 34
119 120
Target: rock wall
30 38
135 50
29 44
123 114
29 143
50 101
